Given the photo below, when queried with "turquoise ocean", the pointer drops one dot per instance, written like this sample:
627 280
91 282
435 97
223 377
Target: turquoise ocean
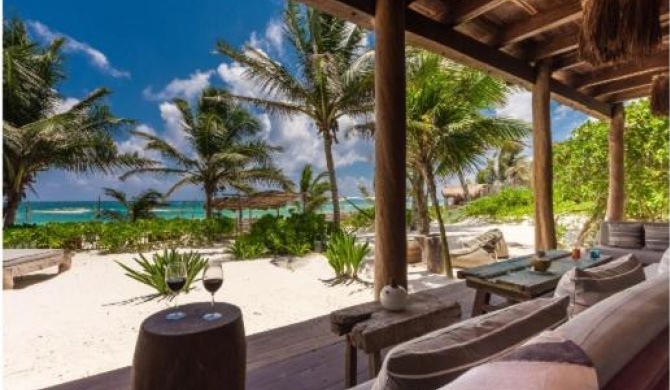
40 212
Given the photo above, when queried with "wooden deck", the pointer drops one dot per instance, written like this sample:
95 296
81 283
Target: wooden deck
302 356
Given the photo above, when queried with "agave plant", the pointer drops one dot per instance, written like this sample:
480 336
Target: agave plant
152 272
345 256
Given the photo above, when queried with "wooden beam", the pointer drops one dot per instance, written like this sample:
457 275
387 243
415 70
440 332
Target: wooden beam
529 8
545 231
616 194
470 9
543 22
645 65
434 36
636 93
621 85
560 45
566 61
390 146
435 9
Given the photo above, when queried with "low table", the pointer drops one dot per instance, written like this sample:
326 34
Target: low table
371 328
191 353
514 280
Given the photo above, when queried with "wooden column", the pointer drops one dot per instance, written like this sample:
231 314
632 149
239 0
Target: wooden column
616 196
390 133
545 231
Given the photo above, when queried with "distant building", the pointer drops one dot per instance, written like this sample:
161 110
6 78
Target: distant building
455 196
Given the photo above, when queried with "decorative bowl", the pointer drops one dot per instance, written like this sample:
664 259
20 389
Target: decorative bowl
541 264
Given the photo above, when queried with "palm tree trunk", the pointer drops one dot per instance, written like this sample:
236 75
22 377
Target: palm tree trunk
330 165
421 204
209 194
13 201
464 185
432 191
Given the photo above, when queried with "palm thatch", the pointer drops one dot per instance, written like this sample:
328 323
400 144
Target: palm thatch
619 30
259 201
660 96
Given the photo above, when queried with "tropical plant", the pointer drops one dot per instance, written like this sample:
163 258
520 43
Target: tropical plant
139 207
152 272
246 248
37 136
313 190
120 236
227 152
345 256
508 166
293 235
580 167
447 132
331 78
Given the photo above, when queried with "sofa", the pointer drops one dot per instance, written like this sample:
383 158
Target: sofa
646 240
624 338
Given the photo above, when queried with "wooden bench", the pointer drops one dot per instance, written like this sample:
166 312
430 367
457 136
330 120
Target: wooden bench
371 328
18 262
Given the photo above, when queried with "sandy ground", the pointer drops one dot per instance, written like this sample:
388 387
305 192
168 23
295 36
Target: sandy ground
59 328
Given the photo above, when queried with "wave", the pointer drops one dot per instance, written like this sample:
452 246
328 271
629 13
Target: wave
63 211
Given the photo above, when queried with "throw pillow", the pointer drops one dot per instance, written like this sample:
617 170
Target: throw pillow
656 236
437 358
626 235
586 287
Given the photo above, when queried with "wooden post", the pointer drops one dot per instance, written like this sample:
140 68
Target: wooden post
545 232
616 197
390 191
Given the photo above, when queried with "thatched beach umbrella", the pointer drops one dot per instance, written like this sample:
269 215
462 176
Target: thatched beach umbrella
660 95
619 30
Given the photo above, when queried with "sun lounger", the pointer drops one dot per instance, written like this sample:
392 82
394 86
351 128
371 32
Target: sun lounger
18 262
481 250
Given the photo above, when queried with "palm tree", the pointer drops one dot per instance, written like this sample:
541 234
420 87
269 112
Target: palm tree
447 131
35 137
509 166
139 207
313 189
330 79
226 153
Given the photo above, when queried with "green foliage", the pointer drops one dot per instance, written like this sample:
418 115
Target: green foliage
152 272
363 219
245 248
581 161
139 207
120 236
512 204
293 235
313 190
345 255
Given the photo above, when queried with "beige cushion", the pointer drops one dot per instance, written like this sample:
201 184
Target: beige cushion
618 328
586 287
435 359
664 264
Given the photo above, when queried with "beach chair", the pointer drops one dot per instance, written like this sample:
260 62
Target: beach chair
484 249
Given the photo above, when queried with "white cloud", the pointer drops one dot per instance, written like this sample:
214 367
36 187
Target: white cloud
349 185
519 105
62 106
174 133
188 88
272 40
95 56
136 144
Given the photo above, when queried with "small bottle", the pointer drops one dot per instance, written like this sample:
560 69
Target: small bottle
576 253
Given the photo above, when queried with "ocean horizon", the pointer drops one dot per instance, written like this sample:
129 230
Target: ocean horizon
41 212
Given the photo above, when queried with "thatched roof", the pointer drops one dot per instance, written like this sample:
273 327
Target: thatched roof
259 201
475 190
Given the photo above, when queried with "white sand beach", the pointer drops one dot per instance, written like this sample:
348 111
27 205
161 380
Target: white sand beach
59 328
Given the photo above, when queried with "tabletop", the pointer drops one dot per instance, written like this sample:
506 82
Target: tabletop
193 323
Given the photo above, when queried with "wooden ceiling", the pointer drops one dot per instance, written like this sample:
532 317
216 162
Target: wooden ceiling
508 37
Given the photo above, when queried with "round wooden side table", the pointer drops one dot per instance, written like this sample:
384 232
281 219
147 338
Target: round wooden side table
191 353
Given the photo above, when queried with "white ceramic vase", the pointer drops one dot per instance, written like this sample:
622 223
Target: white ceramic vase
393 297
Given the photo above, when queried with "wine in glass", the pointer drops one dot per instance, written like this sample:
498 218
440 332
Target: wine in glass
175 279
212 279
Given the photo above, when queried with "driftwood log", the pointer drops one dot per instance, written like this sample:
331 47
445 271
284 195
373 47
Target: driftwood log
191 353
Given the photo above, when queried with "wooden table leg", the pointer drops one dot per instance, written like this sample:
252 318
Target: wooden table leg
482 299
350 364
374 364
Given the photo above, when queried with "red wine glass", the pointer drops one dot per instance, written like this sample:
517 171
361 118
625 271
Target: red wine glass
212 279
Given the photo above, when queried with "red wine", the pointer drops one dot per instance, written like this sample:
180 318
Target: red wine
212 285
176 284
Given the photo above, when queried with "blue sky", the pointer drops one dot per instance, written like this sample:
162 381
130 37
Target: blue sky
148 52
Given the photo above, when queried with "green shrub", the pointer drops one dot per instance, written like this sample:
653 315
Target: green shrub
120 236
345 255
292 235
244 248
152 272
